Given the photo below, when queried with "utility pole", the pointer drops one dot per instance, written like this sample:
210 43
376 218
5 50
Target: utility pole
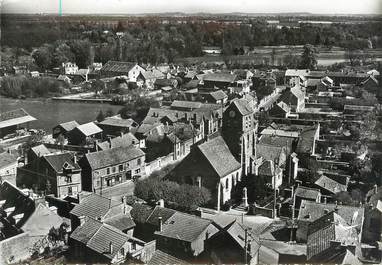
290 162
245 245
274 195
293 215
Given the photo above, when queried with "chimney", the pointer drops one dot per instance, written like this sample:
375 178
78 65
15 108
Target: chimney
121 134
160 223
109 140
82 220
325 200
375 189
75 159
47 204
161 203
111 247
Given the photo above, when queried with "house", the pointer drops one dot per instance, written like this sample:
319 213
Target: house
116 126
281 110
373 223
64 79
36 152
34 74
149 133
124 140
211 50
331 184
54 173
215 97
220 80
13 120
305 193
307 140
292 74
184 233
230 244
84 133
8 167
279 252
82 75
105 210
69 68
20 70
24 222
161 257
217 170
164 82
294 97
95 241
331 236
116 68
64 129
311 211
110 167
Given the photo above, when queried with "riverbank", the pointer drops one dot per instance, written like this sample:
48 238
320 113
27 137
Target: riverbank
49 113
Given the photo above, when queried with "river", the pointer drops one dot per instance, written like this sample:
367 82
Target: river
49 113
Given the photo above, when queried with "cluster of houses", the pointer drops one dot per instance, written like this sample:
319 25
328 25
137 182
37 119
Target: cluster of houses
219 134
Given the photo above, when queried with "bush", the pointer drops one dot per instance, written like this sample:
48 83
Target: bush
181 197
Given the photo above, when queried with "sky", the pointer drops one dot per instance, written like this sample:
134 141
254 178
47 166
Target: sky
192 6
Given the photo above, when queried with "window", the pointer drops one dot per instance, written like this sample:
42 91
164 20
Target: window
114 169
227 184
69 179
137 171
122 252
133 246
139 161
108 171
70 192
120 168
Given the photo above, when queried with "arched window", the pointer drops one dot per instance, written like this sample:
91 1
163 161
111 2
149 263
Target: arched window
227 183
233 180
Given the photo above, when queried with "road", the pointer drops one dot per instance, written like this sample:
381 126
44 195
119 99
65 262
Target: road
116 192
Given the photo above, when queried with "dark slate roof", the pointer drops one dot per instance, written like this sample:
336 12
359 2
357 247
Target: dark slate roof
330 184
311 211
124 123
70 125
307 193
266 168
85 232
237 232
184 227
94 206
269 152
276 141
57 161
115 66
113 156
7 159
306 140
220 77
328 228
158 211
121 222
219 156
162 258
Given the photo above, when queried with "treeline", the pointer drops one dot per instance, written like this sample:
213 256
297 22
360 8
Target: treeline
149 41
22 86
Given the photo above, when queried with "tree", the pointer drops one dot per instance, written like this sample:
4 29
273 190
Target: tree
100 116
309 57
43 56
109 113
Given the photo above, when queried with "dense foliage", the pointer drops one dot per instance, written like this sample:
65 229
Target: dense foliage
181 197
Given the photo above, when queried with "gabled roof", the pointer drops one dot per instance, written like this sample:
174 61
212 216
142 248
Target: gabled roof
218 95
70 125
121 222
184 227
330 184
124 123
306 140
125 140
220 77
297 72
270 152
186 104
163 258
237 232
158 211
275 140
311 211
57 161
14 117
116 66
89 129
113 156
219 156
243 106
297 91
140 212
94 206
307 193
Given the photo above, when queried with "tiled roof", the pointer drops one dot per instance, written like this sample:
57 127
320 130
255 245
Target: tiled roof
297 72
40 150
311 211
162 258
115 66
284 248
218 95
297 91
284 106
328 228
158 211
6 159
184 227
186 104
243 106
14 117
192 83
121 222
94 206
70 125
306 140
125 140
275 140
89 129
237 232
269 152
125 123
220 77
85 232
330 184
219 156
307 193
113 156
57 161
